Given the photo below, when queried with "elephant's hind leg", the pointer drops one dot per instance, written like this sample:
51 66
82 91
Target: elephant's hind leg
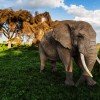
53 65
65 57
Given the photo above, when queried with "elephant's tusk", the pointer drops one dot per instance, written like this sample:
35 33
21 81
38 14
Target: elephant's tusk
84 64
98 60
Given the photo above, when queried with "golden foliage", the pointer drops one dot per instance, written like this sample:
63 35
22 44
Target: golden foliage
37 18
16 41
38 28
30 24
24 15
11 15
6 14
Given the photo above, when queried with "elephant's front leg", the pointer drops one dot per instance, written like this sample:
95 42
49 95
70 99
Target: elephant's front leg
43 58
90 61
85 77
87 53
65 57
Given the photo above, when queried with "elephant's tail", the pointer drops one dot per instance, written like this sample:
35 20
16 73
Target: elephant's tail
98 60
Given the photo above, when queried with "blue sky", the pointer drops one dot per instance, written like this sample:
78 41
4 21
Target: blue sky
89 4
87 10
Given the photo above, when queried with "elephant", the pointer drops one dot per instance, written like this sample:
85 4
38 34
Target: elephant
84 41
71 39
52 49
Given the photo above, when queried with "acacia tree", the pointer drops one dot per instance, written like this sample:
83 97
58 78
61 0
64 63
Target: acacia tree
11 22
42 24
21 23
8 26
25 31
35 31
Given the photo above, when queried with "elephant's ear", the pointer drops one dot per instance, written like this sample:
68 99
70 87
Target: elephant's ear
62 34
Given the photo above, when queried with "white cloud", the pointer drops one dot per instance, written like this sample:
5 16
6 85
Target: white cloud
80 13
40 3
19 1
91 16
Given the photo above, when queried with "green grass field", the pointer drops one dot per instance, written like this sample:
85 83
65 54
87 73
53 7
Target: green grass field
20 78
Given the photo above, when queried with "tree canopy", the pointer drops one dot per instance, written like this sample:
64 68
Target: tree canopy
23 22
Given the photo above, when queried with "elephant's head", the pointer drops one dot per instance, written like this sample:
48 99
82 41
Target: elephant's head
85 39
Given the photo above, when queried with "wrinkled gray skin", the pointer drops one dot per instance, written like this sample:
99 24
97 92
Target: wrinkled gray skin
69 40
84 41
52 49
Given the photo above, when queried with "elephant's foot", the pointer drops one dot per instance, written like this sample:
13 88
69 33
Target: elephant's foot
89 81
42 70
69 82
80 81
54 69
69 79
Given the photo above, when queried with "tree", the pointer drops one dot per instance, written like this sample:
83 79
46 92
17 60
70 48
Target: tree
8 24
11 22
21 24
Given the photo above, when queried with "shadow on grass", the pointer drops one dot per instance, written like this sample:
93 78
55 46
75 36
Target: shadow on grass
20 78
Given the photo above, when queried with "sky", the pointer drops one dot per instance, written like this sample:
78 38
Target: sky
86 10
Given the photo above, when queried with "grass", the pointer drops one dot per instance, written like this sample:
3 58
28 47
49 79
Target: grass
20 78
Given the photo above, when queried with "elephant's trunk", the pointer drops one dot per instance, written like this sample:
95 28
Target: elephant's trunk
88 49
84 64
98 60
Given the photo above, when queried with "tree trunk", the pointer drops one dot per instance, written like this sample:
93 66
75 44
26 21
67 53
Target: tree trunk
9 44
